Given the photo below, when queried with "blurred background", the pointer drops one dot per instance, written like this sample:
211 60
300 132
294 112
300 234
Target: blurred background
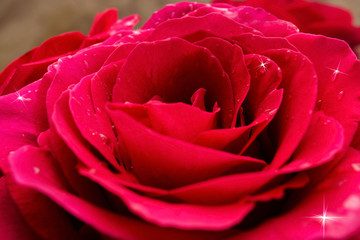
25 24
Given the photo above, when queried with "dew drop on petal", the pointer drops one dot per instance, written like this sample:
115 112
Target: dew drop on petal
352 202
305 165
327 122
356 167
36 170
104 138
340 95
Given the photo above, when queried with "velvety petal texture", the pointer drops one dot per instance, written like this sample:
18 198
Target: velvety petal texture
211 121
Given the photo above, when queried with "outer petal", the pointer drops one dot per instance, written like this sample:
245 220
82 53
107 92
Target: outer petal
67 71
179 120
183 216
337 196
22 164
23 117
169 12
33 65
339 72
44 217
196 28
12 224
256 18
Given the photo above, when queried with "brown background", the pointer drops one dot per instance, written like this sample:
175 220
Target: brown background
27 23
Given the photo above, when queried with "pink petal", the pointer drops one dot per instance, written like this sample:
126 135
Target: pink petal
182 216
90 120
339 91
103 21
299 81
12 223
23 117
236 140
171 11
323 139
33 65
252 43
256 18
196 28
231 58
149 71
114 225
67 71
179 120
41 214
338 193
8 72
68 131
178 162
68 163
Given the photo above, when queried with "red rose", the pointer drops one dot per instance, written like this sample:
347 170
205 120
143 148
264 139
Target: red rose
209 122
311 17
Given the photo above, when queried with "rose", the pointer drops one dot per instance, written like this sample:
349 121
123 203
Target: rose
312 17
210 121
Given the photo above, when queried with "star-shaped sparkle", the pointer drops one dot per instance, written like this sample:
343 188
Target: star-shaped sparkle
21 98
324 218
336 72
262 66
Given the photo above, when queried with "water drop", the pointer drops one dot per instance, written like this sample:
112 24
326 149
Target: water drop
356 167
352 202
327 122
36 170
340 95
104 138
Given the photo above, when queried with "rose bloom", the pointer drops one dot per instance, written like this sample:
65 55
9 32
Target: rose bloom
209 122
312 17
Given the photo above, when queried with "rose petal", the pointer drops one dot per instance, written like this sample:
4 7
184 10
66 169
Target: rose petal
12 223
231 58
178 162
95 129
67 71
103 21
171 11
183 216
252 43
299 81
337 196
23 117
196 28
256 18
149 71
8 72
266 77
179 120
35 207
68 131
68 162
323 139
339 70
114 225
236 140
